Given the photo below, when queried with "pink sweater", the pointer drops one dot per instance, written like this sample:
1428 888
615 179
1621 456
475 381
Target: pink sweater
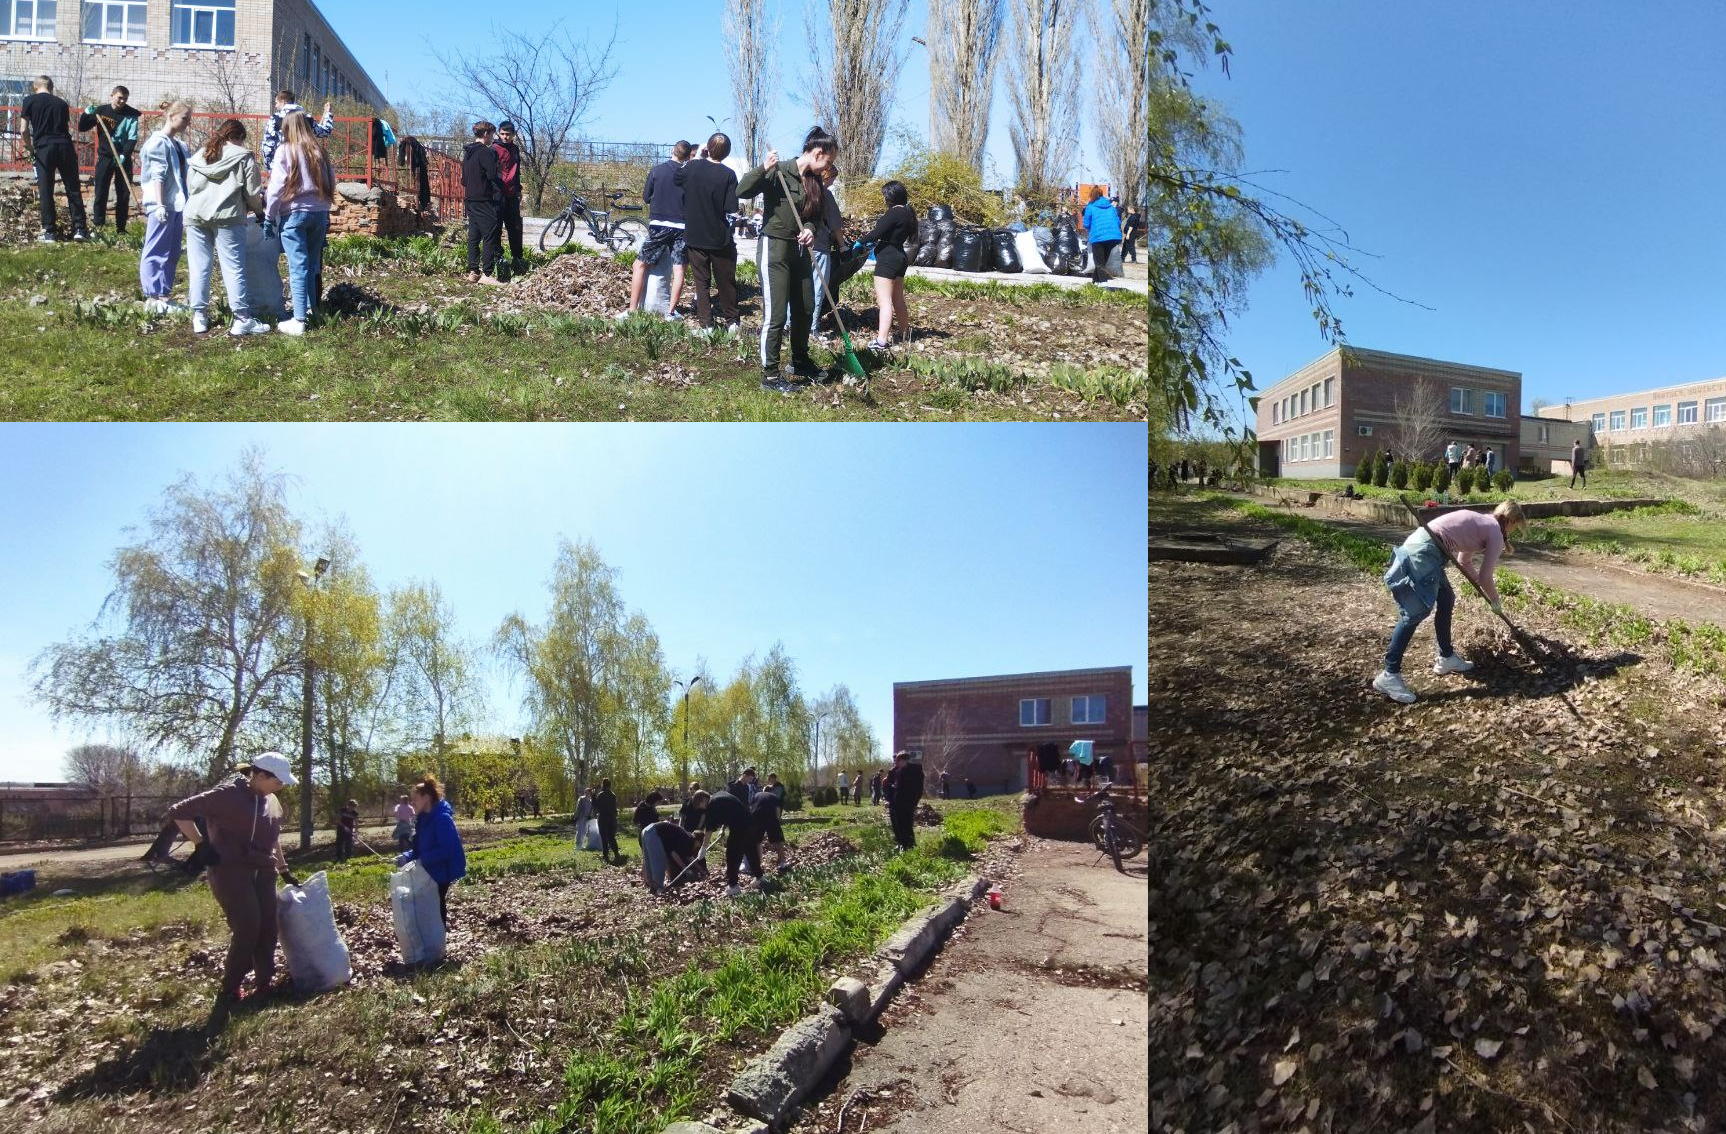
276 202
1466 534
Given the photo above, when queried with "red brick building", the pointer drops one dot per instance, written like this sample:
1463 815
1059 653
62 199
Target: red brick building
1328 416
984 727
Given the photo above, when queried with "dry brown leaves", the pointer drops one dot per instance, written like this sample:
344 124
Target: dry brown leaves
572 284
1484 910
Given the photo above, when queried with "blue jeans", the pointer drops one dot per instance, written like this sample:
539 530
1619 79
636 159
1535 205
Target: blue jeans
822 262
1411 620
303 245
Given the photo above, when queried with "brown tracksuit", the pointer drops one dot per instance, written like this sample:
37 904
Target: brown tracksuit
243 833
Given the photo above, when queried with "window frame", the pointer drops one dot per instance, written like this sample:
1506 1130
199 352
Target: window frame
1598 421
1615 421
103 6
1049 712
1329 392
215 8
1329 444
1503 400
1709 408
1643 410
1101 699
1466 401
36 33
1695 409
1656 422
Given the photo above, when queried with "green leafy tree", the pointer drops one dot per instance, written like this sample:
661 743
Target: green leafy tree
431 670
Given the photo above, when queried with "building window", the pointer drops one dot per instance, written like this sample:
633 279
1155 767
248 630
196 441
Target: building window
1302 410
113 21
1315 403
204 23
1276 412
1662 415
1329 391
1291 453
27 19
1495 403
1599 420
1615 420
1639 417
1714 409
1089 710
1033 711
1686 413
1459 400
1545 432
306 64
1306 447
1329 444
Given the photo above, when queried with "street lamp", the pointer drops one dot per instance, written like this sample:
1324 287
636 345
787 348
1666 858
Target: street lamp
815 753
310 579
683 774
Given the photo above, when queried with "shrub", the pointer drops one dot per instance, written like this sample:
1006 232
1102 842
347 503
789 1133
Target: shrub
1422 476
1502 480
1363 472
935 178
1399 476
824 796
1380 472
1465 480
1441 479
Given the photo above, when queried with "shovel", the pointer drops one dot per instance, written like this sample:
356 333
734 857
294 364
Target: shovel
1535 654
852 365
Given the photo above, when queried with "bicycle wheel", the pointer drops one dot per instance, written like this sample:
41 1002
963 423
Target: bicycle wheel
627 236
1130 844
1114 846
1098 828
557 233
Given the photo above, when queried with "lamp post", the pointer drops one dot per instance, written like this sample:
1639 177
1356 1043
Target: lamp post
310 579
683 773
815 753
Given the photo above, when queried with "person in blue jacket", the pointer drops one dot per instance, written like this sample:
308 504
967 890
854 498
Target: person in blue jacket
1102 223
437 844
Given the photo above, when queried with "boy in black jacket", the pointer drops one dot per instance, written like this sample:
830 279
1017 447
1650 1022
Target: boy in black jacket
482 187
116 126
709 202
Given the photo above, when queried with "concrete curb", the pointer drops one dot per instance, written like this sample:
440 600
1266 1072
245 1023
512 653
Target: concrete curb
770 1086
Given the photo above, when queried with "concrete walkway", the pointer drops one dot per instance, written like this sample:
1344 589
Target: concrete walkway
1033 1019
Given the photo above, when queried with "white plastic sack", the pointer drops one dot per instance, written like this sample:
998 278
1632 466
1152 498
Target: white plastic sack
588 839
1030 259
414 906
657 297
317 959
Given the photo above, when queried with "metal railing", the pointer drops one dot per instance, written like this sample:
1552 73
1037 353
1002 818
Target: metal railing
1125 776
349 146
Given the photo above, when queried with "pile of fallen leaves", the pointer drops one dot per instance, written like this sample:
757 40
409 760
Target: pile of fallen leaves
1030 337
1498 908
571 284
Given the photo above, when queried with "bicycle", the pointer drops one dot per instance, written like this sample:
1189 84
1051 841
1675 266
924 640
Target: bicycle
1111 834
619 235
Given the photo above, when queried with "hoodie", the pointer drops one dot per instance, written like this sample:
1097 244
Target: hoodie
223 191
437 845
481 175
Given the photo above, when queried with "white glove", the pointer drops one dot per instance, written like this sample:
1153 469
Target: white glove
156 212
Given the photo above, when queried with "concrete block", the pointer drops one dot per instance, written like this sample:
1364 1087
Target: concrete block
967 889
922 934
771 1084
692 1128
884 982
851 997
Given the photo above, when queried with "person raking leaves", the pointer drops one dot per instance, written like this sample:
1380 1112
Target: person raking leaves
244 819
1417 582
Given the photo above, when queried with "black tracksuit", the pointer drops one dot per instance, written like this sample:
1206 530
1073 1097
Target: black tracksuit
51 138
109 170
482 186
709 194
904 789
605 803
743 842
412 153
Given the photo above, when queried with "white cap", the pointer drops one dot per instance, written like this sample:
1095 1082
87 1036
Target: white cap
276 764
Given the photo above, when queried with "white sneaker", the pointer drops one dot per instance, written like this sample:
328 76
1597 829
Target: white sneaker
1391 685
291 327
200 323
1452 664
732 330
156 306
242 327
172 307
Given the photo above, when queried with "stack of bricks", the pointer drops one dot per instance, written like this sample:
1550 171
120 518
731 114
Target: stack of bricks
358 209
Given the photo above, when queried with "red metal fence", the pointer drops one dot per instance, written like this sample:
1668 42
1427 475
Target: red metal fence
349 145
1126 776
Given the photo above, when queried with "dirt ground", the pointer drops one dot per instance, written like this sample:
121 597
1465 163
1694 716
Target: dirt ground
1498 908
1032 1019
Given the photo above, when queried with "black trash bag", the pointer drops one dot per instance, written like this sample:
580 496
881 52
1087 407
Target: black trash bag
928 241
1045 238
941 213
1057 262
1066 238
946 234
970 250
1006 250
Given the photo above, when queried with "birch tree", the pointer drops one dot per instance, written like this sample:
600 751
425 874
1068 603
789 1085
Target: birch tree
432 671
855 48
964 46
1045 92
750 37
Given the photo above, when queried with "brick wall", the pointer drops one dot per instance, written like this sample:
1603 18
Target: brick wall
1671 397
1058 814
971 726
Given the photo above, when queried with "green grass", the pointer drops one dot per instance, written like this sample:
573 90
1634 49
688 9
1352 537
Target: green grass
1602 485
395 362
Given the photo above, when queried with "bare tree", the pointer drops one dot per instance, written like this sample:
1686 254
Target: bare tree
1045 92
108 768
749 38
856 58
544 83
943 741
1418 418
964 42
1122 29
228 79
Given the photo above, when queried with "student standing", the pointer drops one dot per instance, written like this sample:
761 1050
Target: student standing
404 829
787 234
48 119
244 820
709 201
302 187
875 790
663 195
116 137
764 814
509 206
689 815
1103 229
437 844
897 225
826 241
904 789
583 815
844 788
162 184
482 188
287 108
225 189
347 820
1578 464
1131 229
605 807
857 788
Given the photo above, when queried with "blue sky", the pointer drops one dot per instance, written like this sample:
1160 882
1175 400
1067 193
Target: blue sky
875 553
1547 176
671 71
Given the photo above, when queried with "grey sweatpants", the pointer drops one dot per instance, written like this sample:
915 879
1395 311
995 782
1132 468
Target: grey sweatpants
207 243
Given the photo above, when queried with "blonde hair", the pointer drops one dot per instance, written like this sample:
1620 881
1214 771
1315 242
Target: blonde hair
1509 516
310 167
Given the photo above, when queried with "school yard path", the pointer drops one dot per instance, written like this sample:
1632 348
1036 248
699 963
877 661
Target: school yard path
1033 1019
